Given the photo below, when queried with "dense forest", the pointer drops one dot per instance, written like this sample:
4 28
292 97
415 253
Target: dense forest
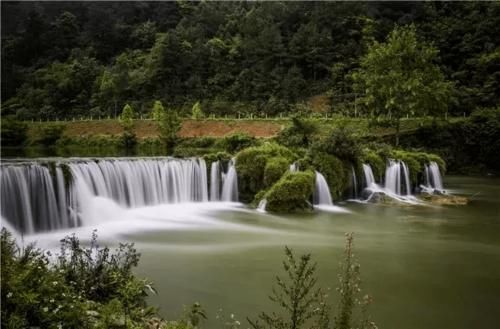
70 59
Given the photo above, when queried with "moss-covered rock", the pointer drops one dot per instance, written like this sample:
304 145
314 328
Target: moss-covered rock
274 169
250 166
292 193
336 172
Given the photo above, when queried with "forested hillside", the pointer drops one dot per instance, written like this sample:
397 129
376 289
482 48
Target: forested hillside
68 59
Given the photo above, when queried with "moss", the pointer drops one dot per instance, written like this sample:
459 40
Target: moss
292 193
336 173
275 168
250 166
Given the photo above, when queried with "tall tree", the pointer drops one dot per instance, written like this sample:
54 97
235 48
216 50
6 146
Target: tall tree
399 78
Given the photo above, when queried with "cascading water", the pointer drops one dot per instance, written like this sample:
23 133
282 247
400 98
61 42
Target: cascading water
397 178
322 194
294 167
368 173
354 183
230 187
39 197
433 177
215 181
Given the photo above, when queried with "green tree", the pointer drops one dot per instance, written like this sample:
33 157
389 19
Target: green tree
196 111
400 78
127 118
169 125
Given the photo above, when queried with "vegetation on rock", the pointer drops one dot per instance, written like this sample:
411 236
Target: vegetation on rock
292 193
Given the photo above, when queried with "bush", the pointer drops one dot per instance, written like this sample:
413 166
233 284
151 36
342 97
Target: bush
342 143
250 166
274 169
49 134
299 134
84 287
236 142
292 193
13 132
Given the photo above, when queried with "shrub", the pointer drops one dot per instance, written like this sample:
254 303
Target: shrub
292 193
342 143
196 112
13 132
299 134
305 306
49 134
251 163
236 142
274 169
84 287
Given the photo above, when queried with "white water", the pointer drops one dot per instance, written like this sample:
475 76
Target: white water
433 177
294 167
322 194
397 178
215 181
262 206
368 172
230 187
354 183
35 200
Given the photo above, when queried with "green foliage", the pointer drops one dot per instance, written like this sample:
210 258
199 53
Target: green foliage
292 193
237 142
13 132
251 163
274 169
169 124
127 118
303 305
342 142
298 298
299 134
48 135
196 112
84 287
350 291
399 78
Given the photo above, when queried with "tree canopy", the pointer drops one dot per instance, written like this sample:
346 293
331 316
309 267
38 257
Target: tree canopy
399 77
72 59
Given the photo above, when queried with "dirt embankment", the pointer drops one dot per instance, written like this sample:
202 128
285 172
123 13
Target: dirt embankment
190 128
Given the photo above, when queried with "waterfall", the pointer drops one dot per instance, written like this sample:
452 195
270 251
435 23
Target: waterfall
369 178
40 197
354 183
215 181
230 187
322 194
397 178
294 167
433 176
262 205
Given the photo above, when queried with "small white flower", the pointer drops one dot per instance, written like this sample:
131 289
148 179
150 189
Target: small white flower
9 295
51 300
45 309
54 283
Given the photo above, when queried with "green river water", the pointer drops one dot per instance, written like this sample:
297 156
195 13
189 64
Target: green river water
425 266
